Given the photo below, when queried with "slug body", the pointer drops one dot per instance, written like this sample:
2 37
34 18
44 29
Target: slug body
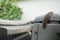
46 19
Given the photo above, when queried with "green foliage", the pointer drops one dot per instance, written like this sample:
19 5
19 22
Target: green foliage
9 11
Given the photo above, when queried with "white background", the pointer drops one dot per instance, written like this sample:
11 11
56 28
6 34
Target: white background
32 9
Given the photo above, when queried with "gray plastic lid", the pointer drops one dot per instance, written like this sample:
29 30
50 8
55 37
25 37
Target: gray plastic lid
53 17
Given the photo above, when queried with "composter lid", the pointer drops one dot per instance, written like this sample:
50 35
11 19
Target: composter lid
53 17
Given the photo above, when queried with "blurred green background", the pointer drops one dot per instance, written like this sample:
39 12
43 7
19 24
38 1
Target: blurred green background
9 11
